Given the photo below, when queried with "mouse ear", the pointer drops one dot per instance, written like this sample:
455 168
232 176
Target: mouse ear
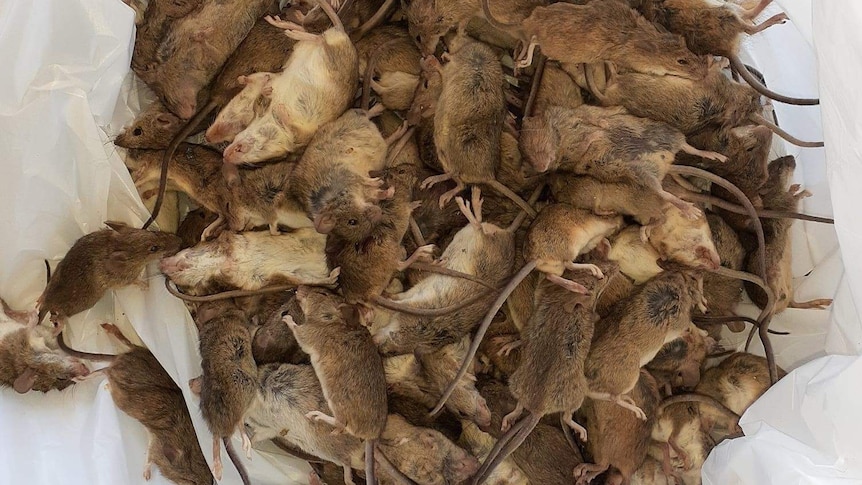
117 226
349 313
25 381
164 119
324 223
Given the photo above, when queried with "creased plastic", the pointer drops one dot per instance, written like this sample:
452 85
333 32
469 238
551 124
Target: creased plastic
66 90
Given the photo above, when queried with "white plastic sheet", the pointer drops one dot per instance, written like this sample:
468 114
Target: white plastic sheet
62 97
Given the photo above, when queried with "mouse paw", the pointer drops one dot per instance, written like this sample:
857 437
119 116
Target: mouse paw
510 343
332 279
291 323
689 210
593 269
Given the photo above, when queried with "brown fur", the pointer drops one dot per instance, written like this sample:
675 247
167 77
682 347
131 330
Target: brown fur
603 198
345 360
274 343
658 312
99 262
557 89
159 17
193 226
142 389
678 363
722 294
617 437
152 128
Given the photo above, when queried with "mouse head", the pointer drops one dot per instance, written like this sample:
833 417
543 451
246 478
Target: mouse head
195 265
666 55
38 363
182 98
427 92
320 306
679 361
133 246
426 25
153 128
350 217
685 241
740 101
264 139
539 142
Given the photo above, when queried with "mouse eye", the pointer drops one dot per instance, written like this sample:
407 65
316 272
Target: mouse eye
683 62
425 84
751 148
138 131
352 222
153 249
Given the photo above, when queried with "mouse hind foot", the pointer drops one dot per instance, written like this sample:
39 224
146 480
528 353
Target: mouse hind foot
218 468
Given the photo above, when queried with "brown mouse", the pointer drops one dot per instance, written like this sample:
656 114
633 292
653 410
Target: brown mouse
618 439
152 128
716 29
142 389
481 249
30 358
677 365
557 89
98 262
229 380
469 119
158 18
332 180
252 260
608 30
197 46
658 312
346 362
589 141
550 377
779 194
544 456
315 87
606 198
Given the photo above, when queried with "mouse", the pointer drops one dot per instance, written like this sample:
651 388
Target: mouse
481 249
716 29
468 121
329 330
316 86
153 128
550 377
779 194
196 47
142 389
30 358
588 139
682 239
606 198
684 445
239 112
157 19
97 263
544 456
658 312
251 261
332 180
609 30
618 441
552 253
677 365
273 342
636 257
229 379
557 88
424 377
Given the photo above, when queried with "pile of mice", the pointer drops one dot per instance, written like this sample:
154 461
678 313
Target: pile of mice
584 289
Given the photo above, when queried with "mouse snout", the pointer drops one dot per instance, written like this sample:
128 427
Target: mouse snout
233 153
709 258
483 414
687 377
174 264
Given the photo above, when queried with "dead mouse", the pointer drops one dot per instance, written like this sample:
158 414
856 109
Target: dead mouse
606 198
682 239
152 128
636 257
229 380
481 249
391 72
239 112
469 120
247 261
610 145
658 312
30 358
779 195
716 29
346 362
677 365
618 439
608 30
550 377
332 180
158 18
315 87
98 262
196 48
544 456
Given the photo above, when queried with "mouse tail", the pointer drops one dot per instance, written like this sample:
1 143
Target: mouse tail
391 469
755 83
486 11
700 398
370 476
61 342
480 332
492 461
236 460
499 187
762 213
760 120
169 153
398 306
519 219
433 268
372 23
225 295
